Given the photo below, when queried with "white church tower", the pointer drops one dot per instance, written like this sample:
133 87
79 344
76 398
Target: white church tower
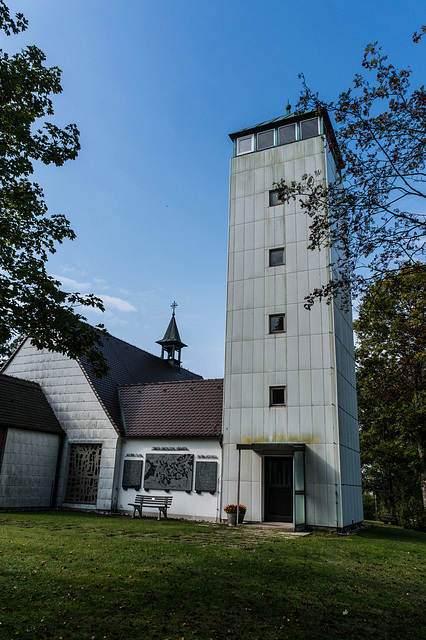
290 430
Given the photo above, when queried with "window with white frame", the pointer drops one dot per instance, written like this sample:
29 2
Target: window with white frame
245 145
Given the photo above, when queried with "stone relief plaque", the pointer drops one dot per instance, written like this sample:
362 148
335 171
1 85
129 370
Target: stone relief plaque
168 472
206 476
132 474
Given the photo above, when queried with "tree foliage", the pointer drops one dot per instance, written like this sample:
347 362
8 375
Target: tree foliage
391 376
31 302
374 213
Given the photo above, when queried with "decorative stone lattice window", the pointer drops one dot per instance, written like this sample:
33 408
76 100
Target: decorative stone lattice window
83 473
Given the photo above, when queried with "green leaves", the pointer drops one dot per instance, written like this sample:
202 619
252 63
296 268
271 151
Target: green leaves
391 376
374 212
31 302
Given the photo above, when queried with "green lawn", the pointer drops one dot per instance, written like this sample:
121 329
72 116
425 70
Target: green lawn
82 576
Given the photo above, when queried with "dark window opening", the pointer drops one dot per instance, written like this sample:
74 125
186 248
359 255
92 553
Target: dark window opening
274 198
276 257
277 396
276 323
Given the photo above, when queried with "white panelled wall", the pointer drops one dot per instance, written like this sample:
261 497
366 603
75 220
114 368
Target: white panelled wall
312 359
78 410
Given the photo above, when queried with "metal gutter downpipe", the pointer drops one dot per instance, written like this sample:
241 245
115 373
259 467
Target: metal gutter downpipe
238 487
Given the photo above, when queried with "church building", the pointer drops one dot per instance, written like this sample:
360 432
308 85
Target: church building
279 434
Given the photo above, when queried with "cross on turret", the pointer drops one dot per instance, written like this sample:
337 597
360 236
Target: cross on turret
171 344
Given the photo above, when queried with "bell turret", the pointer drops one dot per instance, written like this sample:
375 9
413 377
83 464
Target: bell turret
171 344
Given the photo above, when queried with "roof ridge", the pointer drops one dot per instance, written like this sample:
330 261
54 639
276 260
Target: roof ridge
20 380
145 384
109 335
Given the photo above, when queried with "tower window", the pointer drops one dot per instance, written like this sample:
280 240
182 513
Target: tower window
245 145
276 257
274 198
276 323
276 396
287 134
309 128
265 139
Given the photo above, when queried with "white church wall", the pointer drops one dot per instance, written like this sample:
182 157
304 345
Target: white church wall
186 504
77 409
28 469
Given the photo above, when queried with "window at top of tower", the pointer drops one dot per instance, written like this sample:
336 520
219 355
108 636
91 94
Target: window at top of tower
245 145
287 134
309 128
265 139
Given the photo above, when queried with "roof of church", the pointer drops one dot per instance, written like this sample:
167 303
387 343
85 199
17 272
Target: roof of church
128 365
24 406
174 409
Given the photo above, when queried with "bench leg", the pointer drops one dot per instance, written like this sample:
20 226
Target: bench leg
138 509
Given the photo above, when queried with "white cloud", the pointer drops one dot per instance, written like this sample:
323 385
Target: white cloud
69 283
117 303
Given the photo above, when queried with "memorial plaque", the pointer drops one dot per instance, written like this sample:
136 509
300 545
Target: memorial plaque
168 472
206 476
132 474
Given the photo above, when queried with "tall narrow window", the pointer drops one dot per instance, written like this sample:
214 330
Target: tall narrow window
276 257
277 396
83 473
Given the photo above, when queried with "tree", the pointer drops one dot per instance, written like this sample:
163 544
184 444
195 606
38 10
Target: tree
391 376
31 302
373 214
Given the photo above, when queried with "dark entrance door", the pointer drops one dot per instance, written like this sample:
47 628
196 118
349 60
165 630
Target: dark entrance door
279 489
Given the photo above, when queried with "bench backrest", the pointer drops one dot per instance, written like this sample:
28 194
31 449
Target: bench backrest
154 501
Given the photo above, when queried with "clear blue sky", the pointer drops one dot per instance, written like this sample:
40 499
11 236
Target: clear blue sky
155 86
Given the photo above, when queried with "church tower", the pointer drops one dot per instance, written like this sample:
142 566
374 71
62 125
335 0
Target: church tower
171 344
290 430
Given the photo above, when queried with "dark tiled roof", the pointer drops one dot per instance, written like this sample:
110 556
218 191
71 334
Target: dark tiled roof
129 365
174 409
23 405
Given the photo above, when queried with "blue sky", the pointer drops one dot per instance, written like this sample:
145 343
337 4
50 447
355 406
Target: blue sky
155 87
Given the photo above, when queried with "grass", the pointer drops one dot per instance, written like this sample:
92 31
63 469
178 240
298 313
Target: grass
88 577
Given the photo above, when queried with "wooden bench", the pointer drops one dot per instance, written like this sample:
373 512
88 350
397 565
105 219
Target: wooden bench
388 518
151 502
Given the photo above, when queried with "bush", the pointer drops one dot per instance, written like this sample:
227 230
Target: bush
368 503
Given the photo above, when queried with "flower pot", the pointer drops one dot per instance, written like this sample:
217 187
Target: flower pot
232 518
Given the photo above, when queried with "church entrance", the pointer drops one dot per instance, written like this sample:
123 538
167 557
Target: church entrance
278 486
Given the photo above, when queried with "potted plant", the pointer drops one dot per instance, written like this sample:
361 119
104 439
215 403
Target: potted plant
231 512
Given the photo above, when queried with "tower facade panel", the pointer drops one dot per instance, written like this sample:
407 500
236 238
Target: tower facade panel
289 397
